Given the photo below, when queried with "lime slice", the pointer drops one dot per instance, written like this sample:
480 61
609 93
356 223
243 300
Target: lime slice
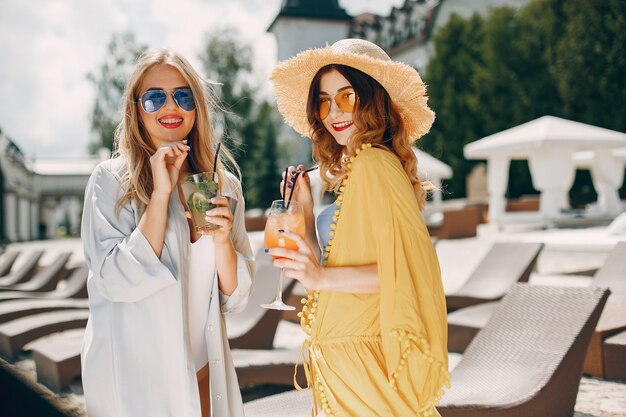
198 202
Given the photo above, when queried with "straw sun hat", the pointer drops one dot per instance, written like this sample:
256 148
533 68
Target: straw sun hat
292 79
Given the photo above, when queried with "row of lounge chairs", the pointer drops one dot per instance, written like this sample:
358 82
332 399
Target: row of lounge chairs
26 316
527 361
465 323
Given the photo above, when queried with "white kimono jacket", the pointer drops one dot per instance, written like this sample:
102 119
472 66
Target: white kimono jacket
136 357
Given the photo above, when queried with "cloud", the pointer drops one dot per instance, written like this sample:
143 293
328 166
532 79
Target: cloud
50 45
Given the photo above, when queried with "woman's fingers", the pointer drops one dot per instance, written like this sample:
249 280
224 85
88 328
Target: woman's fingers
218 220
220 201
220 212
289 254
289 264
295 274
302 245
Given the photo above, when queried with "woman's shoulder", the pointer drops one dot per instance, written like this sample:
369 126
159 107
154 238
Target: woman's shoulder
112 169
372 159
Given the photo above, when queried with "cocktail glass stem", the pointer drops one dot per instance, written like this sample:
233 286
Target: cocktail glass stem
278 303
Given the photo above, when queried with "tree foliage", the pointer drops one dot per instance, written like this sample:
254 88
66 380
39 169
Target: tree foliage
248 123
110 79
565 58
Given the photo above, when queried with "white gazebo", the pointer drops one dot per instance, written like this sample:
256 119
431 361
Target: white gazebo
433 170
550 144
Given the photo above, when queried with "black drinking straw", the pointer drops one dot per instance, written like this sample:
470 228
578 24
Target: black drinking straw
217 152
285 186
295 179
193 167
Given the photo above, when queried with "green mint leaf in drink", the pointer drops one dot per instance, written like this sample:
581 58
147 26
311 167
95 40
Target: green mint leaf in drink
198 202
209 187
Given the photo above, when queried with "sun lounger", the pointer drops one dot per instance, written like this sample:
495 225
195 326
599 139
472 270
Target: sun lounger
612 275
57 358
615 357
463 324
46 279
289 404
74 286
505 264
612 321
11 310
6 262
456 224
20 396
16 333
527 361
24 271
270 366
255 327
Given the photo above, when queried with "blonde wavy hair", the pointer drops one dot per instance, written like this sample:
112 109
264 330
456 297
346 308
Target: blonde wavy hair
133 143
377 121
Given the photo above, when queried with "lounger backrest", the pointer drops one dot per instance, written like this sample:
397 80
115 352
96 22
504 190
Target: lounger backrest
48 273
6 262
529 335
612 274
255 327
76 283
24 271
505 264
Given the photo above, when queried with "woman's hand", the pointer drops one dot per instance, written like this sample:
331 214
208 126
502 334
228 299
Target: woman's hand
166 163
301 190
221 216
302 264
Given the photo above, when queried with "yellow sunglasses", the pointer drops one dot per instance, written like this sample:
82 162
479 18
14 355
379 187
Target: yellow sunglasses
345 100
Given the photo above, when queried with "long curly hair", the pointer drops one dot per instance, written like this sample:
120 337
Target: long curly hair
377 121
133 142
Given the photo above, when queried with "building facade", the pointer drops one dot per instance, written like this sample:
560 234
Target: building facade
42 198
405 33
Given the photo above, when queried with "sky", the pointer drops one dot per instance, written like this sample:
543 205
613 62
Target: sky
51 45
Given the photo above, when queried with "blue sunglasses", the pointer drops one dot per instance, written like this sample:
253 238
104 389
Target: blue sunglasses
153 100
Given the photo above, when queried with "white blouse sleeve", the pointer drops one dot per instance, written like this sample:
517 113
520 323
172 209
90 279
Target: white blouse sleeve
123 264
245 258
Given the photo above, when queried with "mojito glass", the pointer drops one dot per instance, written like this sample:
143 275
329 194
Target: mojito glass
198 190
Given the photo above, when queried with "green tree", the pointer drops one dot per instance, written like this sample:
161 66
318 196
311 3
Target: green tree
449 76
228 62
590 62
262 162
110 79
552 57
248 124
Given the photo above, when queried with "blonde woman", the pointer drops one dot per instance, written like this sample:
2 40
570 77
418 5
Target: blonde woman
155 343
375 313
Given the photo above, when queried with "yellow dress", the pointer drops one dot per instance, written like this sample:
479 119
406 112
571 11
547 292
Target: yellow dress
379 354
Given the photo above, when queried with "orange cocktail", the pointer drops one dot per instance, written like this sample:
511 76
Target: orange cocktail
282 216
294 222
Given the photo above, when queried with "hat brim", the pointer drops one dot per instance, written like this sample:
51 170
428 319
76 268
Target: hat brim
292 79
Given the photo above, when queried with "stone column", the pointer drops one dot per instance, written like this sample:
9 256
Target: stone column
497 181
553 173
24 218
34 220
607 174
10 216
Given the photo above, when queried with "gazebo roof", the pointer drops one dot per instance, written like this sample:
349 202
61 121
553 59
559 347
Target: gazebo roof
431 167
543 133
